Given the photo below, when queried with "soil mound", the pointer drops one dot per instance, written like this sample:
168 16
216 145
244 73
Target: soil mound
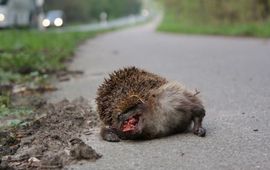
51 138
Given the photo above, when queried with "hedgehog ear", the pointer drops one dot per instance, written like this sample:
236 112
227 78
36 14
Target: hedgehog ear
153 93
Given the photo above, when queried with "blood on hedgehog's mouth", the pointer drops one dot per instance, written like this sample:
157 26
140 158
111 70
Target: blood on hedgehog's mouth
131 124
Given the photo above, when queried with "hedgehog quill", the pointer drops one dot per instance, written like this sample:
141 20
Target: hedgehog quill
135 104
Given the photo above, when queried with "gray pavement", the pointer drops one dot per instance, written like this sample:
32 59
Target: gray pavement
233 75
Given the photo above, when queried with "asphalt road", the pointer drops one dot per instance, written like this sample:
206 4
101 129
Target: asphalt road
233 75
105 25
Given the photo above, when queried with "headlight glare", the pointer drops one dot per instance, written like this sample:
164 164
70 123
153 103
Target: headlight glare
46 22
58 22
2 17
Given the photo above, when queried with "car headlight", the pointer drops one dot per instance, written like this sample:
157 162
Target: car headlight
46 22
2 17
58 22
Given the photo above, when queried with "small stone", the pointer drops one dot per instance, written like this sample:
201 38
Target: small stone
87 132
33 159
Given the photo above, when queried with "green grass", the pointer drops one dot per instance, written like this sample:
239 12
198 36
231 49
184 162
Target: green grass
14 113
27 51
29 57
186 25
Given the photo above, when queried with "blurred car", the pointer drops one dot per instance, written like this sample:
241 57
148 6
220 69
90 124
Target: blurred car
54 18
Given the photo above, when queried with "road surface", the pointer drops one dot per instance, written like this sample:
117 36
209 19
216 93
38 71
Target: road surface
105 25
233 75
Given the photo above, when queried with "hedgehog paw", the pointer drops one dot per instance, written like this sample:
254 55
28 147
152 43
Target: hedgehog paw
200 132
111 137
109 134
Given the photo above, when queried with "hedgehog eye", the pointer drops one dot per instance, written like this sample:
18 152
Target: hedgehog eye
119 116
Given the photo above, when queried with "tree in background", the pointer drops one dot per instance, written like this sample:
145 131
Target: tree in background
261 9
216 11
89 10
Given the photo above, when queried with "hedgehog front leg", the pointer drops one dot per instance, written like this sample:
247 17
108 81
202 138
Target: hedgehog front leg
109 134
198 115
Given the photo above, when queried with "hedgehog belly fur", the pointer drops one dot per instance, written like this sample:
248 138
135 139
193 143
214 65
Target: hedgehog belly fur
171 113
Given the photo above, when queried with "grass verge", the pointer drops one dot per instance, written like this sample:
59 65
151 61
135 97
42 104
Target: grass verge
27 51
29 57
173 24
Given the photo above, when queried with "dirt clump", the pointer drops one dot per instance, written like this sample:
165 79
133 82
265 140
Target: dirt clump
51 138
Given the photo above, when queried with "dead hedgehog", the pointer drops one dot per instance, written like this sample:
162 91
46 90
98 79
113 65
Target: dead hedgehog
136 104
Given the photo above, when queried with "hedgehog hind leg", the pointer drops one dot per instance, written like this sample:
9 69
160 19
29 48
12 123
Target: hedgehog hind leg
109 134
198 115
